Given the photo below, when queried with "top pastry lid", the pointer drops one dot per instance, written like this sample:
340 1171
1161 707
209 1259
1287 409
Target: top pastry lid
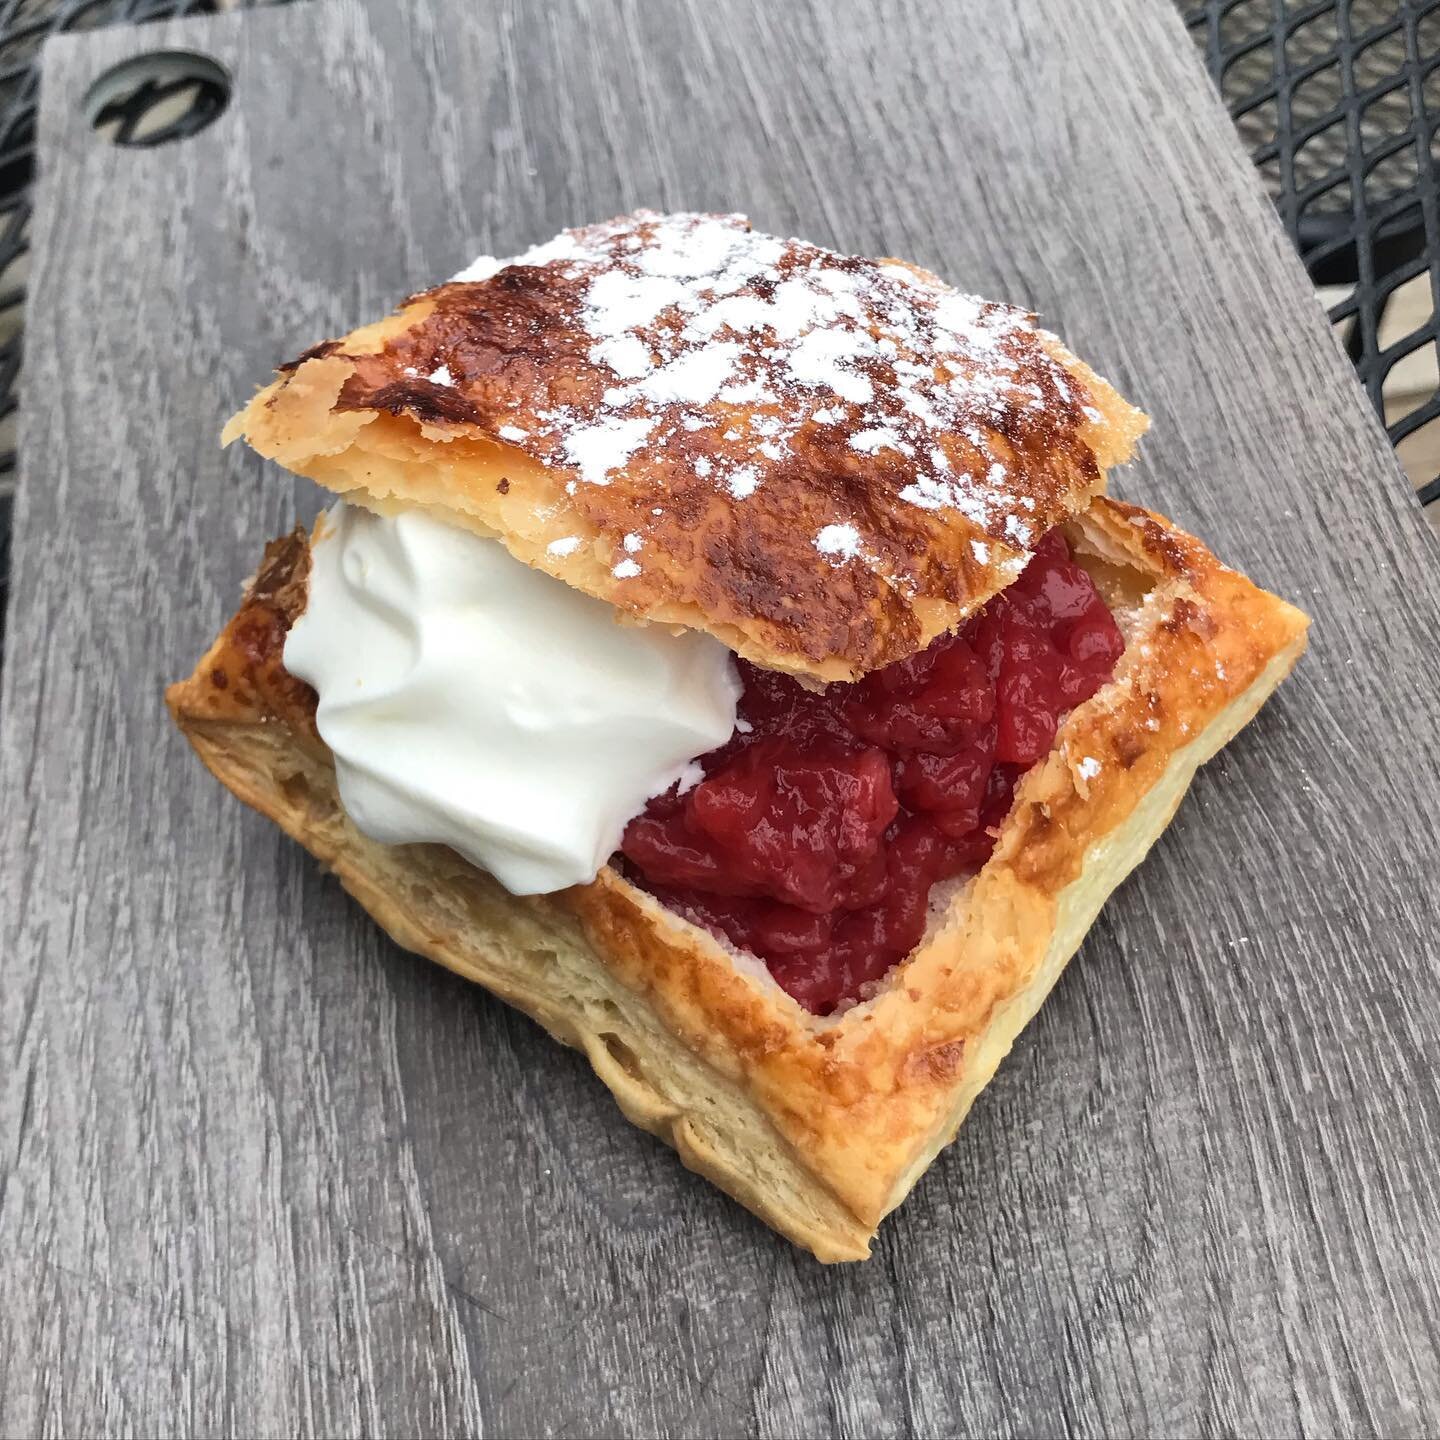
823 460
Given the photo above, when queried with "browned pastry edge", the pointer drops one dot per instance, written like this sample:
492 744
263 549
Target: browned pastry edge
361 416
820 1126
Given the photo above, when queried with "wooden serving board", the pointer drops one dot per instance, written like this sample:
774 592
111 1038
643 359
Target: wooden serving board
260 1172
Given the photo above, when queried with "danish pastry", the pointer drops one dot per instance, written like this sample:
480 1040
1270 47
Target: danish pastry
967 690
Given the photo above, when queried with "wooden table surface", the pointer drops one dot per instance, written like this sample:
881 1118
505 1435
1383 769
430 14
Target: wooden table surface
262 1173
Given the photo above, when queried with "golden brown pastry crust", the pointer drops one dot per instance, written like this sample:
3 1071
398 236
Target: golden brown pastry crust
818 1125
814 531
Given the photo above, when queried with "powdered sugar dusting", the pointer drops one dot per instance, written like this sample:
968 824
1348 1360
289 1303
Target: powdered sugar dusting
627 355
743 482
691 379
565 246
880 437
619 302
824 360
596 450
724 346
482 267
842 541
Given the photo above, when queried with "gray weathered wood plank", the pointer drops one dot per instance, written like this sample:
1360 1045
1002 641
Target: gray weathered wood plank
262 1173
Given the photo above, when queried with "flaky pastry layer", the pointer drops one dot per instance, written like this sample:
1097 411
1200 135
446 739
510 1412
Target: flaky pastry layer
820 1126
823 460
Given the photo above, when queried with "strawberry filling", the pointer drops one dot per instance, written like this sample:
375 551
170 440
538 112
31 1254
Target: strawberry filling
820 828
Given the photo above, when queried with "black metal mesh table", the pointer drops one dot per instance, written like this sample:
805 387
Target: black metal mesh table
1338 101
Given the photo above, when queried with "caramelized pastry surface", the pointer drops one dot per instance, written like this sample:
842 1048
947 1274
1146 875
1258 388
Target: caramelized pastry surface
824 460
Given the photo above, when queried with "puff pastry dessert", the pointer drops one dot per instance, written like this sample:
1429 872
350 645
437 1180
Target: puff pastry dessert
868 696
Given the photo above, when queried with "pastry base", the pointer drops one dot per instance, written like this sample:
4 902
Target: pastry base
818 1125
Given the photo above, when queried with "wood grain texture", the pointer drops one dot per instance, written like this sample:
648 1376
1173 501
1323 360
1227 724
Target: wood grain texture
262 1173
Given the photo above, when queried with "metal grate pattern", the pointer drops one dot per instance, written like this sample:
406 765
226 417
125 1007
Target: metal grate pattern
1339 103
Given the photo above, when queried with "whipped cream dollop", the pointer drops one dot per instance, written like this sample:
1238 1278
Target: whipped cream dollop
473 701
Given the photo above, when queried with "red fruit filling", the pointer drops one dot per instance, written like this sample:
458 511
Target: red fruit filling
819 829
